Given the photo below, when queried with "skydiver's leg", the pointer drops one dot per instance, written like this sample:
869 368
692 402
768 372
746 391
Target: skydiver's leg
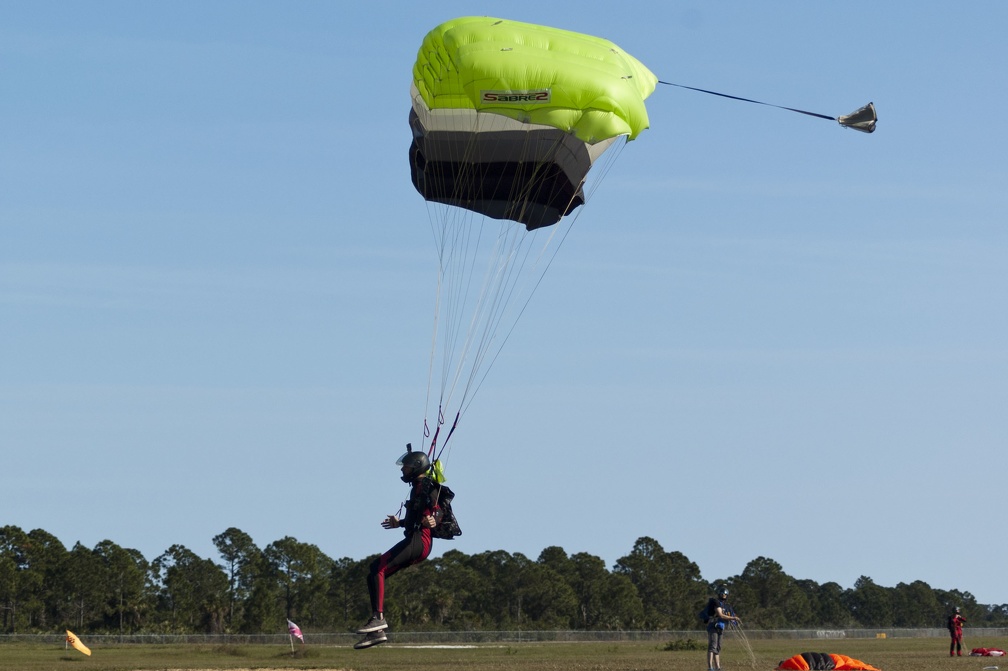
714 649
410 550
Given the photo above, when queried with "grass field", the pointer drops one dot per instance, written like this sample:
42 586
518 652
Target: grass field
905 654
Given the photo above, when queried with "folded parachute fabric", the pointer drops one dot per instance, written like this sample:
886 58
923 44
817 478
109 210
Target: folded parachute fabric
987 652
823 661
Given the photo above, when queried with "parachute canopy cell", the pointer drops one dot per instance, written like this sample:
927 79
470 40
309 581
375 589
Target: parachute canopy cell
823 661
508 117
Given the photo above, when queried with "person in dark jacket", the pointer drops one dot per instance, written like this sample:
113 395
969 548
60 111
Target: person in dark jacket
421 515
718 614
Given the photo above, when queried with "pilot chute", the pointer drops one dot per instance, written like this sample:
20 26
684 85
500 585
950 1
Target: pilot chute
862 119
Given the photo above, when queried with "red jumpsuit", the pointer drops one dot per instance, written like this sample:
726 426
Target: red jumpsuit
412 549
955 629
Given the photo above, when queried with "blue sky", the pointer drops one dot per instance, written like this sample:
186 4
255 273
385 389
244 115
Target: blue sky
765 335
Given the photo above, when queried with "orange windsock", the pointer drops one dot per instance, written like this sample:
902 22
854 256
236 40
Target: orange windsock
75 642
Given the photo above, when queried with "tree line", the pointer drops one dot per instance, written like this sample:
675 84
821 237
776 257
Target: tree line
110 589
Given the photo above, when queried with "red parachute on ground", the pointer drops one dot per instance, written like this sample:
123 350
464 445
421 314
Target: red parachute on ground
987 652
823 661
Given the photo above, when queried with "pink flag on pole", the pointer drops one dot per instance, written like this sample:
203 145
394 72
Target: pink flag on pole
295 630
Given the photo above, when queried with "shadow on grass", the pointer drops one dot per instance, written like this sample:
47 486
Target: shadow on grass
684 644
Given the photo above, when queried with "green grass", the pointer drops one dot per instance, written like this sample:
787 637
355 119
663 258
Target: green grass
903 654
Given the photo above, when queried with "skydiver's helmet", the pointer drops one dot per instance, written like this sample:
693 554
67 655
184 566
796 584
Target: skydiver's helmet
957 610
415 463
722 592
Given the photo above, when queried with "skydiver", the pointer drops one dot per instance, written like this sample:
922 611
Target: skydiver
422 515
955 623
718 613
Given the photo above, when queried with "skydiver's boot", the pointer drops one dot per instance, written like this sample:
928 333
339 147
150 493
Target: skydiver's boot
376 623
372 638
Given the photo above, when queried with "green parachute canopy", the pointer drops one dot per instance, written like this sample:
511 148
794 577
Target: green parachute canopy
508 117
507 120
578 83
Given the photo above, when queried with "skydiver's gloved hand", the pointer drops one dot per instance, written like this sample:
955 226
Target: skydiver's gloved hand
390 522
428 521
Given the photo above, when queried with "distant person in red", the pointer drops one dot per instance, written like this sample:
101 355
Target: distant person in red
955 623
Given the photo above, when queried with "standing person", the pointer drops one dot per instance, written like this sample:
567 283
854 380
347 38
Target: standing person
421 516
718 613
955 623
